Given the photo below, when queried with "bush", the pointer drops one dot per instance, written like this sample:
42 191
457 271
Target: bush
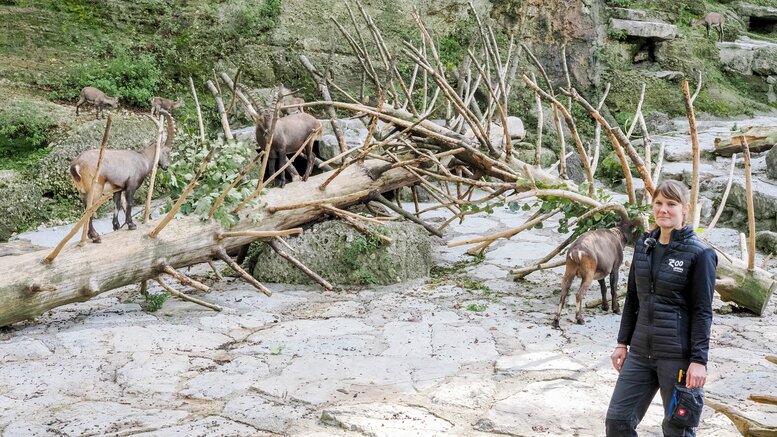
131 77
23 129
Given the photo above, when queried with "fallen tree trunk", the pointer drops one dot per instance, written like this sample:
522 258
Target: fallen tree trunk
759 139
29 286
749 289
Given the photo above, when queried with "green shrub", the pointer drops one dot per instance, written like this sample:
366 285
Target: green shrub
131 77
23 129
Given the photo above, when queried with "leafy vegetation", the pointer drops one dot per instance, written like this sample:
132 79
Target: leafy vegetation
119 72
24 130
154 302
186 158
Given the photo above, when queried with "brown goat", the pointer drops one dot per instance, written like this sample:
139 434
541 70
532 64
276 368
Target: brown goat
122 170
168 105
595 255
97 98
291 132
711 19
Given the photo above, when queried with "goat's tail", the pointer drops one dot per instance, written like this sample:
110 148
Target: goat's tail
75 172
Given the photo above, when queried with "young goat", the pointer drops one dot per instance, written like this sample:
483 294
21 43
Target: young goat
290 133
711 19
97 98
122 170
168 105
594 256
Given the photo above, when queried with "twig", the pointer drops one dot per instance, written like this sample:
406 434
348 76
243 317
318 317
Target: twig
93 185
349 198
698 88
598 133
725 194
638 112
185 297
183 196
215 271
695 151
183 279
199 111
274 244
322 86
157 152
84 219
750 205
378 197
572 128
220 107
221 253
356 224
234 91
540 122
234 183
523 271
260 234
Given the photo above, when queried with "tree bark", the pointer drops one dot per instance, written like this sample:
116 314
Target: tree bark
29 287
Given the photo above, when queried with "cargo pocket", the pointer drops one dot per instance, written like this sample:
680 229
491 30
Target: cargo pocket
686 405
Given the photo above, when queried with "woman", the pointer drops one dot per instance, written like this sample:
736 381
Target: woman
665 329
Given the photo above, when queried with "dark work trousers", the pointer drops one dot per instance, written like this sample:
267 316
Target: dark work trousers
638 382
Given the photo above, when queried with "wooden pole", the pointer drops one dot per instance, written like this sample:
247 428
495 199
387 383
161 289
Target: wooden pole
750 206
694 147
199 111
93 185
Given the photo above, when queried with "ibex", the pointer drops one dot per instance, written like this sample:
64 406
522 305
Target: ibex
291 132
168 105
122 170
97 98
594 256
711 19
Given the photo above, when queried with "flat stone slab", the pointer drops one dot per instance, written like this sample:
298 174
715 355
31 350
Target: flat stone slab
385 420
645 29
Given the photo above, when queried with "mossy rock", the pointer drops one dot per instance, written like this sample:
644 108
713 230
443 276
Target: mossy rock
344 256
52 172
526 154
21 206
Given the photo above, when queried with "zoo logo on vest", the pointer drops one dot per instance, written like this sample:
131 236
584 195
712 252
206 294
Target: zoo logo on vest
677 265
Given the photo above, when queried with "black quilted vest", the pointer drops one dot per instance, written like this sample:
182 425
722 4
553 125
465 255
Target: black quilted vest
663 325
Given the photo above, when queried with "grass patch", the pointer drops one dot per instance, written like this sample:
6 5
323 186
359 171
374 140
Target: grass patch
477 307
154 302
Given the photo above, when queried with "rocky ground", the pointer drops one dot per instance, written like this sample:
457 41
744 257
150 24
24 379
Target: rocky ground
466 352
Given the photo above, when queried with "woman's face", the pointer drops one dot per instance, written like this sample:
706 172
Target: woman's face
668 213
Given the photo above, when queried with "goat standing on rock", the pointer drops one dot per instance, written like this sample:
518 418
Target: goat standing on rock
122 170
594 256
711 20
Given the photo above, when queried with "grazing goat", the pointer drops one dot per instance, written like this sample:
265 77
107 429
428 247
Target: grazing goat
121 171
97 98
291 132
594 256
711 19
168 105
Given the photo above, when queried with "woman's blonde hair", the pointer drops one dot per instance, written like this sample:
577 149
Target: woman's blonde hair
674 190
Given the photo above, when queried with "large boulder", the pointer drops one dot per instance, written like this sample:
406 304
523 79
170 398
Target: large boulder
748 56
344 256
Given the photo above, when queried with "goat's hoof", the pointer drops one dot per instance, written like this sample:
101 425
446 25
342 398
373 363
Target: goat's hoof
555 324
616 310
132 226
97 240
116 226
580 321
605 308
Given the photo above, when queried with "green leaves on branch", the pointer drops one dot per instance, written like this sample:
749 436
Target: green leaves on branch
231 157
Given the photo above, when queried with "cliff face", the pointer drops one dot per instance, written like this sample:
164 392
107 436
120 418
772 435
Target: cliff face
548 25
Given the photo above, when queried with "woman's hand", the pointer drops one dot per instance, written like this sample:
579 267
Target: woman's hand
618 357
696 376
